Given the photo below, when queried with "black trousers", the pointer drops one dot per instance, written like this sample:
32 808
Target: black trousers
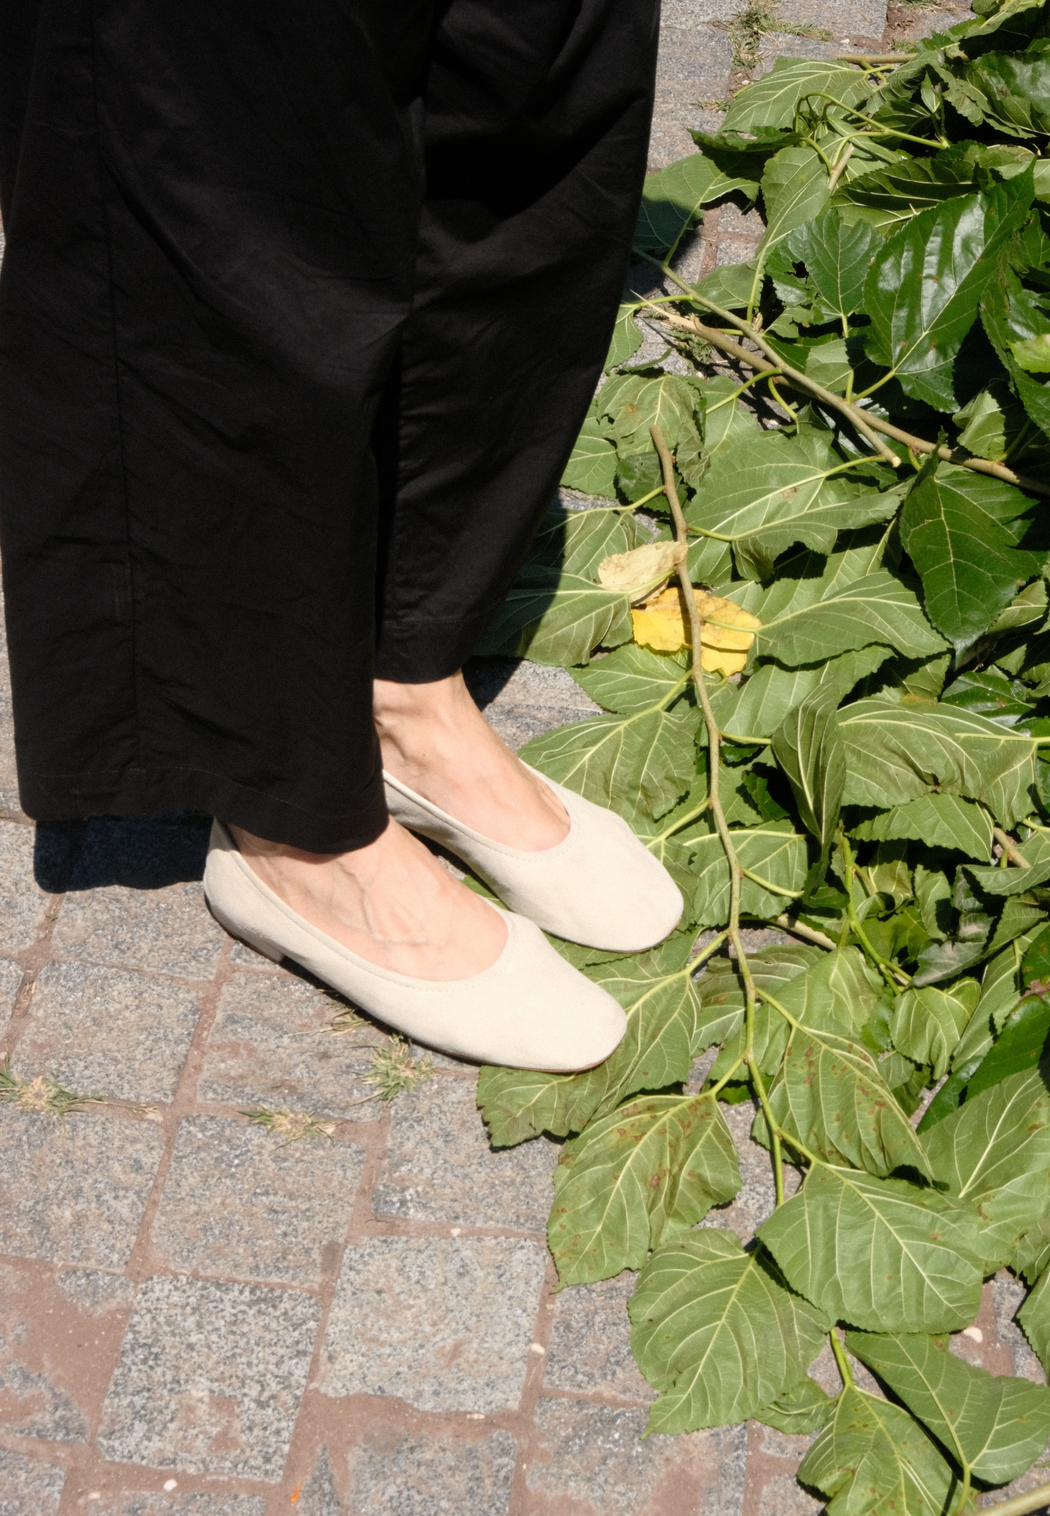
302 305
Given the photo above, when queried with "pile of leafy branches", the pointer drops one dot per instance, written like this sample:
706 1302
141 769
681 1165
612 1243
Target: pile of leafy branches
850 457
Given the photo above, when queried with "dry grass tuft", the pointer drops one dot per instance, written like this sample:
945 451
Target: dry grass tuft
42 1095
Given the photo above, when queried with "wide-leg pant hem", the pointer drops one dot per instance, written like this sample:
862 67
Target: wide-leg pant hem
143 792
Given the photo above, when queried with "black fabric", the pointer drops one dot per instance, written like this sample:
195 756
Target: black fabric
301 310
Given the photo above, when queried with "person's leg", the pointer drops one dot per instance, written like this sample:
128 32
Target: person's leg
536 130
211 216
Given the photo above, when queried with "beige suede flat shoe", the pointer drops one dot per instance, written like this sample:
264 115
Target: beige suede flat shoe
599 886
529 1010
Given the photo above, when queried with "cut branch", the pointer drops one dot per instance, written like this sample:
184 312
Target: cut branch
864 421
874 57
1010 848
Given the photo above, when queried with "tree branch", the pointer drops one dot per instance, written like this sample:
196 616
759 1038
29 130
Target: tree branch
864 421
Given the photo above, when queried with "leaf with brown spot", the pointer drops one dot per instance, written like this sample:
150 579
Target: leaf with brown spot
653 1168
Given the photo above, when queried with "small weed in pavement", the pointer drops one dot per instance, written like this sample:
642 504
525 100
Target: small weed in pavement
293 1126
41 1094
394 1070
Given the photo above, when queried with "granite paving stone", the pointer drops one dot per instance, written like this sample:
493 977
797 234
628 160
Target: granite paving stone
439 1165
776 45
59 1341
1008 1295
10 981
443 1322
694 65
523 700
782 1495
925 20
23 904
391 1473
135 899
590 1459
74 1191
208 1503
735 250
106 1031
590 1342
238 1201
846 20
318 1495
210 1377
28 1487
270 1045
678 13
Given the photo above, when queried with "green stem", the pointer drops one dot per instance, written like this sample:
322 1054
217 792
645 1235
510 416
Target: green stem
845 1368
767 1111
766 884
1020 1505
894 976
636 504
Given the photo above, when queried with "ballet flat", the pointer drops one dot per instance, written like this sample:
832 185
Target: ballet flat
599 886
530 1009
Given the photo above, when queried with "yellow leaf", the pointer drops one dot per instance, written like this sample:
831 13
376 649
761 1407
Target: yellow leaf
664 626
638 572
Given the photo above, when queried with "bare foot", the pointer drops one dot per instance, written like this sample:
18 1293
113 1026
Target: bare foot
392 903
435 740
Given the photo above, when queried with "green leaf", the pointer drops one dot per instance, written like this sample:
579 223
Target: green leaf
1034 1317
941 821
770 492
830 1094
1016 87
662 1002
926 283
999 1425
1012 316
559 623
881 1253
672 198
716 1333
1032 1253
772 100
874 1459
876 608
1020 1048
809 749
633 679
592 462
838 258
627 338
651 1169
927 1023
773 850
888 195
963 532
636 402
576 542
722 992
835 993
643 761
1035 965
894 753
773 690
994 1154
794 190
800 1411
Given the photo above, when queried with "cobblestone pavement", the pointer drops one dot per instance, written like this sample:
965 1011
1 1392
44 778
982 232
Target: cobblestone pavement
199 1319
